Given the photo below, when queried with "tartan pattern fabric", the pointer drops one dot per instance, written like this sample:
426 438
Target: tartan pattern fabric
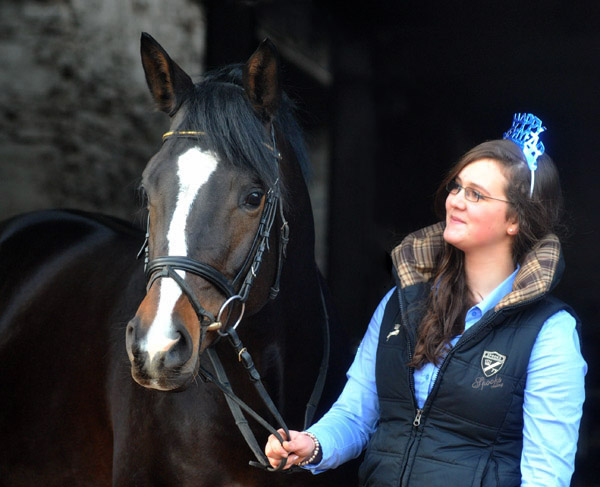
536 274
414 260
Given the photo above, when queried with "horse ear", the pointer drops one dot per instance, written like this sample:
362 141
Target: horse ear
260 78
168 83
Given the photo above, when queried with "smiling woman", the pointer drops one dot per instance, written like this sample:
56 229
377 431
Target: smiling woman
470 372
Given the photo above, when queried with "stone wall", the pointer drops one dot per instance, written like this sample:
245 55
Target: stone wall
77 124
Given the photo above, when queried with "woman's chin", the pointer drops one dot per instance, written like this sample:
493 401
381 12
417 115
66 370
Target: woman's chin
453 237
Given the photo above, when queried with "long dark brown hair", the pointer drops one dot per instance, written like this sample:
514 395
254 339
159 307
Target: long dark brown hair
538 215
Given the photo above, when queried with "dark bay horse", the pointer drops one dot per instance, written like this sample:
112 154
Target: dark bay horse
103 358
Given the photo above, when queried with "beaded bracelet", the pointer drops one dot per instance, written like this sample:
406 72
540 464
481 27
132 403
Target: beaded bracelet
315 451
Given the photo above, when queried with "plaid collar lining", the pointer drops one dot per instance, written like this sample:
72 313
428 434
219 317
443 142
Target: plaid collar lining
414 260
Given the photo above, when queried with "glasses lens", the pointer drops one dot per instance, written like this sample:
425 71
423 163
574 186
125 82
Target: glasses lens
471 195
453 187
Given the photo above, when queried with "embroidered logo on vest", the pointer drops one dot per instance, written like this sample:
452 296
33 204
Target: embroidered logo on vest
481 382
491 362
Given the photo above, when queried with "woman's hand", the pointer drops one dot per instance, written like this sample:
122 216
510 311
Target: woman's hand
296 449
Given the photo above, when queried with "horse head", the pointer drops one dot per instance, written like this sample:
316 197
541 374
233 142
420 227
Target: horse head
215 196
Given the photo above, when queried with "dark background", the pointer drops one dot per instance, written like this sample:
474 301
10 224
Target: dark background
413 85
390 94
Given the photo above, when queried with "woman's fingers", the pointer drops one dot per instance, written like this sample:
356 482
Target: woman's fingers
299 447
300 443
275 451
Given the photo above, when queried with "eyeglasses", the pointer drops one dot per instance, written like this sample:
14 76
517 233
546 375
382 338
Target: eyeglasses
470 194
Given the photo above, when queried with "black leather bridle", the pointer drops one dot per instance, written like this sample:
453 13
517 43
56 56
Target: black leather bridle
167 266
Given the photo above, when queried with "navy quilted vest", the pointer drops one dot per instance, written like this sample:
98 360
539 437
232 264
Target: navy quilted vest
469 432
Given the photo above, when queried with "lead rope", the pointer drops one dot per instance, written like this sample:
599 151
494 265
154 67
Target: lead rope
236 404
317 392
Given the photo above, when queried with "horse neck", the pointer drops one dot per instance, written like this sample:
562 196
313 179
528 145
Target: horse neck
289 329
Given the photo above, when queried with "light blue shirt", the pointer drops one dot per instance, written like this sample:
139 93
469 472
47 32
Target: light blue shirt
554 395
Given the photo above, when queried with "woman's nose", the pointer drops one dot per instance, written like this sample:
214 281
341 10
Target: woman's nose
456 200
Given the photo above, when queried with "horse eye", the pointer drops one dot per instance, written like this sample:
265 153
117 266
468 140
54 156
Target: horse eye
254 199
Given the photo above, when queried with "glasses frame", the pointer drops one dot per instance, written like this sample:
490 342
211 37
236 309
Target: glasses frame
471 194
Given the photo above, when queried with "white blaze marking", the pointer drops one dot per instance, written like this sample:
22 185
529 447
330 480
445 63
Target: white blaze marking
194 169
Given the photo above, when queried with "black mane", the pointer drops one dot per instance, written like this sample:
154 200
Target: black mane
219 107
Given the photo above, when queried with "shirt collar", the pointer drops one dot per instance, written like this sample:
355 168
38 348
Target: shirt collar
491 300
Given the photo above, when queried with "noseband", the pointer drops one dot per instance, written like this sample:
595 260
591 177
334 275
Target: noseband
167 266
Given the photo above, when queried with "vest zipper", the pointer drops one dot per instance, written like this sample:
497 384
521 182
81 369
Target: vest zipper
411 382
417 420
419 411
403 320
411 370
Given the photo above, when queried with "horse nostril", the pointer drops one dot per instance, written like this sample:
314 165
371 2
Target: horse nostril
179 350
130 343
129 333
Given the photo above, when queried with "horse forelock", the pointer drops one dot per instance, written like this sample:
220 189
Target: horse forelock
219 108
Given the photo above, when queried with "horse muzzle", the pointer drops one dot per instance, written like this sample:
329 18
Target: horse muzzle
160 361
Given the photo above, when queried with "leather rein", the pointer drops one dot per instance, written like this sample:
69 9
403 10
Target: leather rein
167 267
